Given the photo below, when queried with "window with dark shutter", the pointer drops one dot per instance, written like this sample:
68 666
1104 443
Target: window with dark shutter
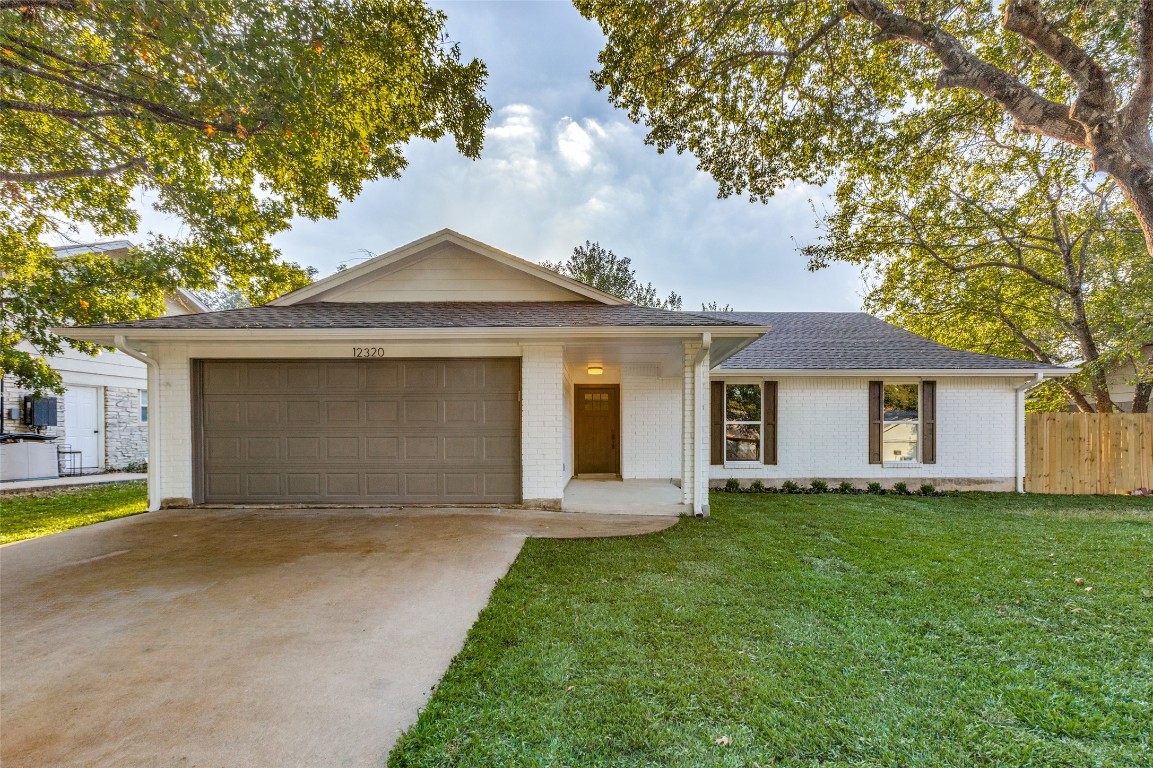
876 420
717 423
770 418
928 422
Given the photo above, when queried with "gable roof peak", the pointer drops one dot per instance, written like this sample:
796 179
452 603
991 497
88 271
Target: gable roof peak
425 246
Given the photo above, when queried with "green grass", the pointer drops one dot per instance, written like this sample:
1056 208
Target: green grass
26 516
817 630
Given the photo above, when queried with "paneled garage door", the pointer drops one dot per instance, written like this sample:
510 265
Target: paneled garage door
359 432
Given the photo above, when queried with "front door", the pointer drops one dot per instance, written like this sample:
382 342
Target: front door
597 429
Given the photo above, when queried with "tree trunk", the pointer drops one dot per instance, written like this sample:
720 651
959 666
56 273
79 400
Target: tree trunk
1141 397
1132 169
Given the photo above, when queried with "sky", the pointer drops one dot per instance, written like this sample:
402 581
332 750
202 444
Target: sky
560 166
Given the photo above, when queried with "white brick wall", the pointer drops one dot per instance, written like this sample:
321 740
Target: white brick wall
650 423
171 407
823 432
542 424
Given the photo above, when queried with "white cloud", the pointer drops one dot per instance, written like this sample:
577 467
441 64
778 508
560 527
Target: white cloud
575 145
518 123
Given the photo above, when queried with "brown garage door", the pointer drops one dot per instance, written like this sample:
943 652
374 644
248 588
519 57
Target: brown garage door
359 432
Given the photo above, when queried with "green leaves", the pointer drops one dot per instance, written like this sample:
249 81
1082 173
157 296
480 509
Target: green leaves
233 116
594 265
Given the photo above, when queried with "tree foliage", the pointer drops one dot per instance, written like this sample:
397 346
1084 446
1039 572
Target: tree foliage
599 267
234 116
767 91
1006 248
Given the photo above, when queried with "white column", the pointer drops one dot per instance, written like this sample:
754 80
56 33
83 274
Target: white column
701 437
542 425
170 399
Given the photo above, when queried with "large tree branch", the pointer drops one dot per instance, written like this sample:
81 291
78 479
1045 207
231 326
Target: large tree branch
1137 110
1024 18
28 5
961 69
64 112
71 173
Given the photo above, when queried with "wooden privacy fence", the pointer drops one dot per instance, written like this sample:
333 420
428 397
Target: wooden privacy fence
1088 452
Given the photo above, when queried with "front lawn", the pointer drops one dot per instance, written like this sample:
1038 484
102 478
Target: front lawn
984 629
28 515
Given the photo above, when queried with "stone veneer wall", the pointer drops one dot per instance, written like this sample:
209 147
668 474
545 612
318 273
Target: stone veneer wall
125 435
14 398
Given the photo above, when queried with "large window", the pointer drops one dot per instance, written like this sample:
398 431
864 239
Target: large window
742 422
902 421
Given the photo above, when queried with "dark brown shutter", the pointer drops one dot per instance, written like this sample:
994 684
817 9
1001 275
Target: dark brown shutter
928 422
876 420
769 409
717 423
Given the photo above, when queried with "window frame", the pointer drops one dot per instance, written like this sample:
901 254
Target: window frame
726 421
917 462
142 402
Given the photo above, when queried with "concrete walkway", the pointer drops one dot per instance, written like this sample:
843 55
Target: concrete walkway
53 483
246 638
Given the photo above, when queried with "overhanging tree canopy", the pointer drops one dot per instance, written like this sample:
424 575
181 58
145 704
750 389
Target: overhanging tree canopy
233 115
767 91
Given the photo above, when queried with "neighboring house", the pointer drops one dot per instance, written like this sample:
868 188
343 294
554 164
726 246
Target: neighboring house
449 372
1121 379
102 415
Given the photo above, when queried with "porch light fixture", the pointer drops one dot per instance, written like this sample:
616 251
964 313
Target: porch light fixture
596 370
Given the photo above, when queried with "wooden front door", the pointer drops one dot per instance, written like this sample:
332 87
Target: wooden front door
597 429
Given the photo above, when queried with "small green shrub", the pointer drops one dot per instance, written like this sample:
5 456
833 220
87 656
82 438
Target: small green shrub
135 466
819 486
756 487
927 489
901 489
845 486
733 485
874 488
790 487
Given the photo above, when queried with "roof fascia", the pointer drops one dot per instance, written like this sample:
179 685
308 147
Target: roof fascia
414 248
106 335
786 372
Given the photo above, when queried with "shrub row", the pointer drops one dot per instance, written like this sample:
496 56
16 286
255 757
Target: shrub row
732 485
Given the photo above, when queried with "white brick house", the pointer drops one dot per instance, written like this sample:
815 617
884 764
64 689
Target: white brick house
449 372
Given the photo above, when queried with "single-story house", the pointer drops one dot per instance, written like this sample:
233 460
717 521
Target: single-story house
100 421
450 372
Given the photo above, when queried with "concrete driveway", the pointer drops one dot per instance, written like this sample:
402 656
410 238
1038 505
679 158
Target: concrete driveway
246 637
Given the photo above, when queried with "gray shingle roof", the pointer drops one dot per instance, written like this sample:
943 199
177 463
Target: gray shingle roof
414 315
851 341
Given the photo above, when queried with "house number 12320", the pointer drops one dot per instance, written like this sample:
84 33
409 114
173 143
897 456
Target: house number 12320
368 351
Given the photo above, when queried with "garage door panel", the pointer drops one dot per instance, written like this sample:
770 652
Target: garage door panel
382 412
303 448
262 448
303 413
423 375
372 431
270 377
382 484
418 484
302 484
223 485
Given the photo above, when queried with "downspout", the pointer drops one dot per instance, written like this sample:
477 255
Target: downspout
1021 391
701 417
154 468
